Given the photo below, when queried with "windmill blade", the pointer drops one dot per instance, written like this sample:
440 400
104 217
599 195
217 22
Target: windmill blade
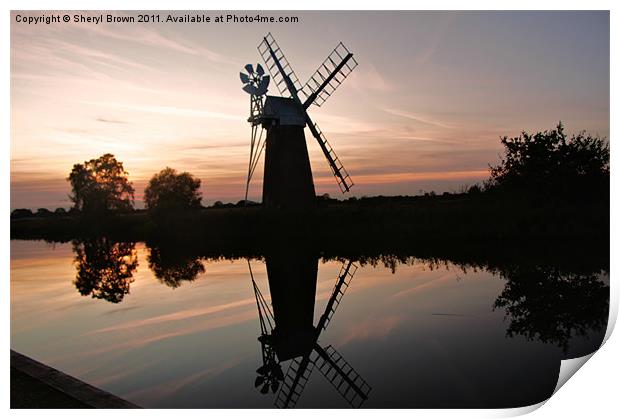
340 173
347 270
348 382
281 71
262 86
295 381
248 88
330 74
254 83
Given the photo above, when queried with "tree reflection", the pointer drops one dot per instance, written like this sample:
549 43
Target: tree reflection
172 266
104 268
546 304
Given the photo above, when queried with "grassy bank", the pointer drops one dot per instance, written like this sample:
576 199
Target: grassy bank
368 222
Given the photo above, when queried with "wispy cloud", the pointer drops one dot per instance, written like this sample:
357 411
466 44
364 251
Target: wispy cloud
385 178
213 146
367 78
134 34
167 110
97 56
110 121
371 329
148 336
172 386
152 38
416 117
176 316
439 281
431 47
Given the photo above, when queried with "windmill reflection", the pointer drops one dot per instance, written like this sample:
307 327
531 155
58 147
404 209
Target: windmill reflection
173 266
288 333
104 268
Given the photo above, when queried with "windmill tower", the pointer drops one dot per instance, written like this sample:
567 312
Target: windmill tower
288 333
287 181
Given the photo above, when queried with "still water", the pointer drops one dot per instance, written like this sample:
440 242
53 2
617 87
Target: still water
167 328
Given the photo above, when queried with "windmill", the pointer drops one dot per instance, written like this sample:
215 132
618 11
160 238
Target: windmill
287 180
288 336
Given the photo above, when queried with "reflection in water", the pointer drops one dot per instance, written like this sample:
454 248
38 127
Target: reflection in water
561 302
546 304
104 268
288 333
542 302
172 266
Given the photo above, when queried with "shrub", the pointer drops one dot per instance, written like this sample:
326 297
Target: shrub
169 190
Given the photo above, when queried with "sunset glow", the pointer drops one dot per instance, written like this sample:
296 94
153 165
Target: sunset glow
424 110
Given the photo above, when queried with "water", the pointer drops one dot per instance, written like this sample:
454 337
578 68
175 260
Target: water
168 327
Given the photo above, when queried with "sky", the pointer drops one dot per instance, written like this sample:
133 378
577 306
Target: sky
423 111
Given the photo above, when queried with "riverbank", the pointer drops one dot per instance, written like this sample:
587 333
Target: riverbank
37 386
384 221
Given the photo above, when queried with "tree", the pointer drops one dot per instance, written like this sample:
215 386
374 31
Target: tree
549 162
43 212
101 185
21 213
169 190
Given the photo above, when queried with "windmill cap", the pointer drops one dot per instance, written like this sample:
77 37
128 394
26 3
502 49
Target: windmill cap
285 110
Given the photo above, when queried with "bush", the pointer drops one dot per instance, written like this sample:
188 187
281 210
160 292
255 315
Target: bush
44 212
549 163
21 213
169 190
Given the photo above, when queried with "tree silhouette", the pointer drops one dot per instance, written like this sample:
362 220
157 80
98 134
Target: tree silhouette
101 184
172 266
552 306
104 269
169 190
43 212
550 162
21 213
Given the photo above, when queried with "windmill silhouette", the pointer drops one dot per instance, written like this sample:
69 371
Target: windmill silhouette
287 178
288 333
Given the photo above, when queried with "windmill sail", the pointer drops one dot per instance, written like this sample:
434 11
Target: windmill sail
347 270
330 74
274 59
351 386
340 173
295 381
